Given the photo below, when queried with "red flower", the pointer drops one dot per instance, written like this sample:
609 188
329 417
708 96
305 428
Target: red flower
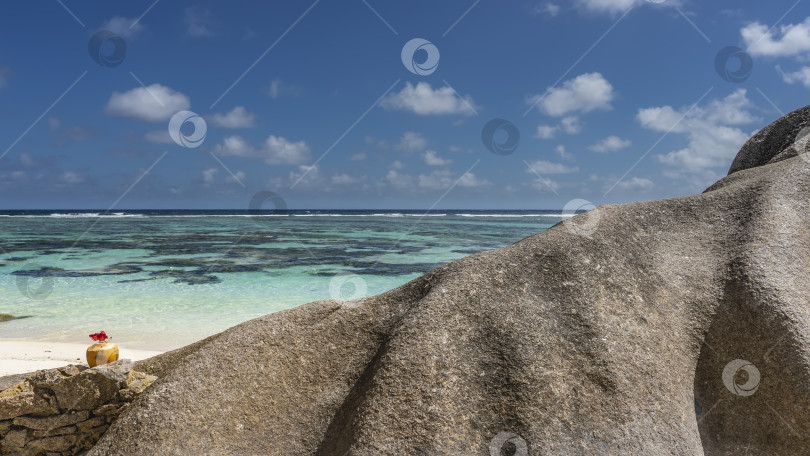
99 336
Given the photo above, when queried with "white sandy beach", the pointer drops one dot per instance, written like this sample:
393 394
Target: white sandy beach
21 356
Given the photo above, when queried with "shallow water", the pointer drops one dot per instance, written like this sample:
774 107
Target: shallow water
162 279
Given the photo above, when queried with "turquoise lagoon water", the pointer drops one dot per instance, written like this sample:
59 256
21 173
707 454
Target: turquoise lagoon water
162 279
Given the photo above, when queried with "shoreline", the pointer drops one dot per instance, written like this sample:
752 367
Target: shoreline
19 356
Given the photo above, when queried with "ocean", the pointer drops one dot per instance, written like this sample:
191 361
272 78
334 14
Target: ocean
158 280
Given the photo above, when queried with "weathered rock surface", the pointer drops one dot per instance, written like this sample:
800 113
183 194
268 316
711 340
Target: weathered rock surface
49 412
11 380
616 340
25 403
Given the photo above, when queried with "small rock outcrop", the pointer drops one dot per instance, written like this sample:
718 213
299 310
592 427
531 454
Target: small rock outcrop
678 326
65 411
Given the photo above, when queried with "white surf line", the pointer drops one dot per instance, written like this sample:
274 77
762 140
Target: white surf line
138 180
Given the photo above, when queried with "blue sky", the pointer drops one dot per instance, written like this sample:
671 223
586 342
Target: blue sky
614 100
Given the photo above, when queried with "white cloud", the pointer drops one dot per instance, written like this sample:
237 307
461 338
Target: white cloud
440 179
123 27
399 181
707 149
396 165
638 184
236 146
571 125
159 137
545 185
547 167
239 117
789 40
64 134
802 76
471 180
154 103
421 99
279 88
19 177
208 176
275 89
443 179
345 179
455 149
306 176
694 180
70 178
548 8
614 7
275 150
432 159
714 138
585 93
412 142
546 131
281 151
360 156
731 110
27 159
198 22
732 13
607 6
236 178
610 144
560 151
54 124
631 184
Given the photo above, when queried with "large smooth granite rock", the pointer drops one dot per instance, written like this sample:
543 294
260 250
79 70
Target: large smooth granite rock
617 332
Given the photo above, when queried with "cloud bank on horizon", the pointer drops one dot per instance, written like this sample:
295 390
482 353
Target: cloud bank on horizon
379 105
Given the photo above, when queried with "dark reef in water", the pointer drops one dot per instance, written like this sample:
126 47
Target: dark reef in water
198 258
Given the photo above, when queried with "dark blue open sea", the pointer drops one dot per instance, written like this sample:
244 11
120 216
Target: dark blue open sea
160 279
